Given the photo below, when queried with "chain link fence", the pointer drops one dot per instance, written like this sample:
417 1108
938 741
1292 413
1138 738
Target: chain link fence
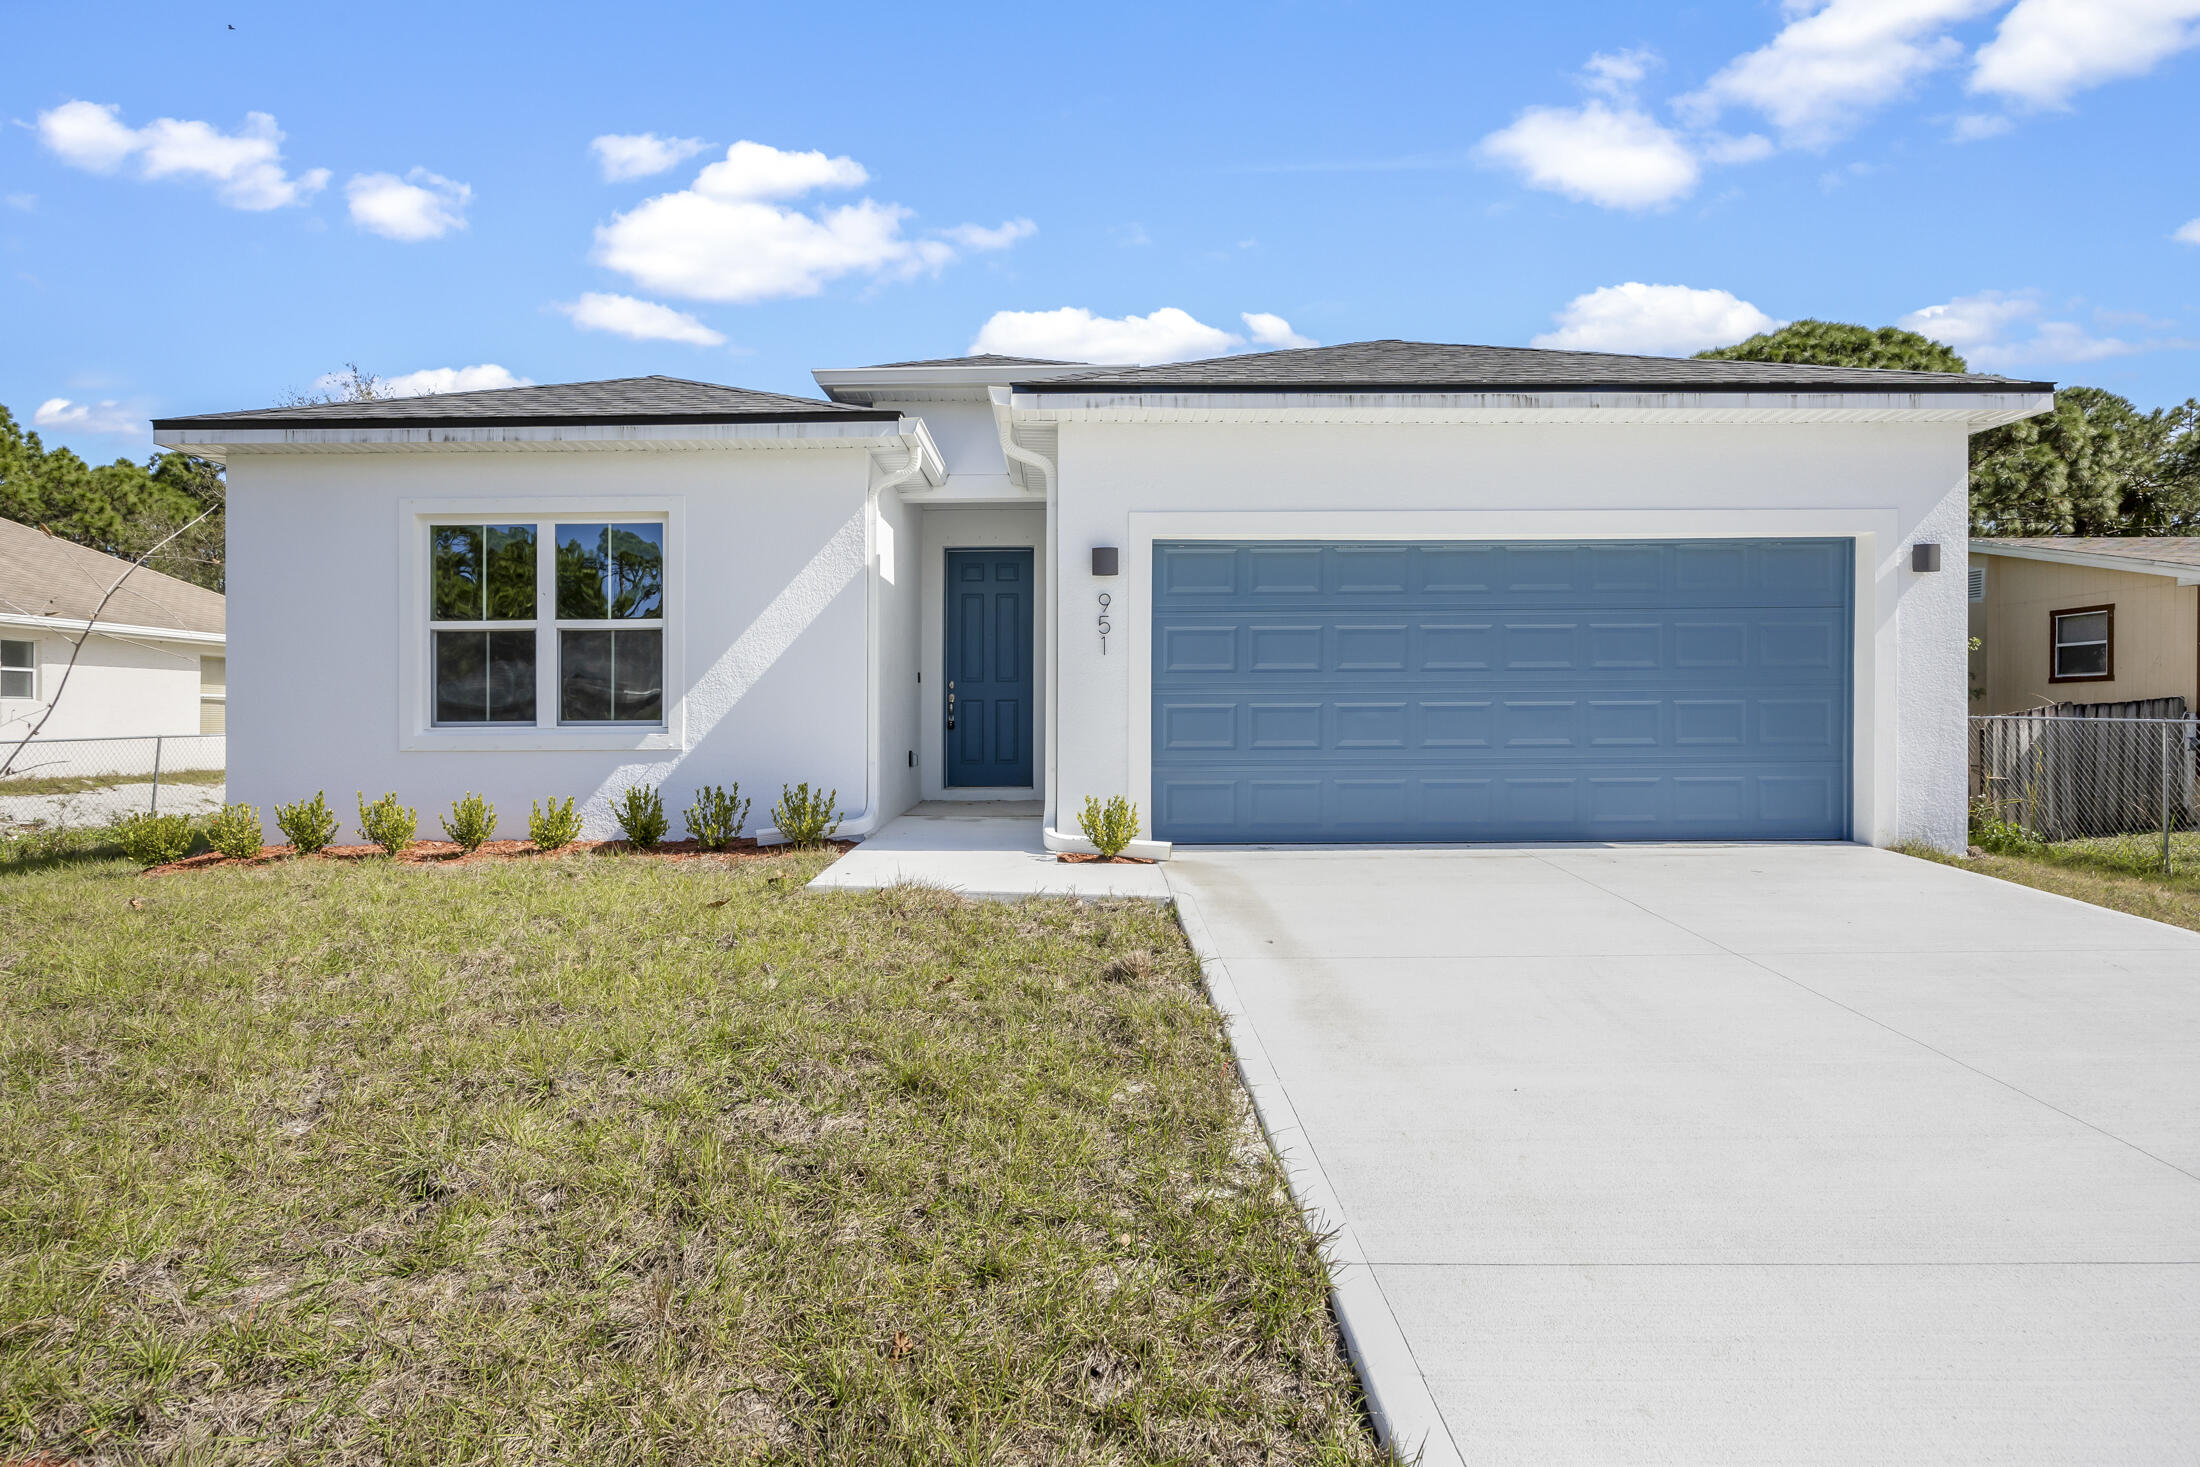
2118 791
67 784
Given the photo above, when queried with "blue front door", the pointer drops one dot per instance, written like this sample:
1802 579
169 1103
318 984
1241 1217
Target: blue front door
987 701
1479 690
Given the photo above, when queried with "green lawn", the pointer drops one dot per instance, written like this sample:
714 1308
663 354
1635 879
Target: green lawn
2173 899
606 1161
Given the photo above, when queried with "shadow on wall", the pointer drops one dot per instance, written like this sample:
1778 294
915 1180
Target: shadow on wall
728 680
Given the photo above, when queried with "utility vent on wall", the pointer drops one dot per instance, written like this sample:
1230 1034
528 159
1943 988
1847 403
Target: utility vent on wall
1978 583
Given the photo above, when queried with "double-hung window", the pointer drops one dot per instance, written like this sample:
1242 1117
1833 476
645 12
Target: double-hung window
2083 647
18 669
541 622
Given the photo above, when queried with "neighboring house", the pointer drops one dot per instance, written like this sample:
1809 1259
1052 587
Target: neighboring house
2084 619
145 670
1389 591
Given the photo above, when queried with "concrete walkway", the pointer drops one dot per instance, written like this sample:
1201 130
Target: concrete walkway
981 850
1805 1154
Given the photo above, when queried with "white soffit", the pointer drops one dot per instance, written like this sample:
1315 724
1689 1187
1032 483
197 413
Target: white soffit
2183 575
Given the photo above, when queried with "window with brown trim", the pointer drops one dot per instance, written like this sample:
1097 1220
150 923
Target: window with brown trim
2082 645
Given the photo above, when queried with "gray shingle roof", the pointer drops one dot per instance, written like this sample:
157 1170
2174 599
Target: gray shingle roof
623 400
2162 550
1423 366
984 360
44 575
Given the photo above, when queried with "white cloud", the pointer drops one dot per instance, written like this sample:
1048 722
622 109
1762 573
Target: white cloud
244 167
421 205
978 237
1076 334
1835 62
1654 320
1974 127
1996 330
23 203
89 417
430 380
1618 73
639 320
2046 50
1273 331
622 156
725 238
1618 157
1972 323
2189 233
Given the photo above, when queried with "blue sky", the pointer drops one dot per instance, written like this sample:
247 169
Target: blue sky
195 218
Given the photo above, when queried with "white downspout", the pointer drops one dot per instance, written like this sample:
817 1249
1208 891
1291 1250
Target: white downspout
866 820
1051 836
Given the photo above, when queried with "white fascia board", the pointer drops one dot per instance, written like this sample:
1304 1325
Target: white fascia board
1977 411
914 436
2183 575
866 384
217 442
76 625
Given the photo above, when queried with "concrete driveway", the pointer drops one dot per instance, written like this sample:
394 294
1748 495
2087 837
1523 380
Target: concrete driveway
1752 1154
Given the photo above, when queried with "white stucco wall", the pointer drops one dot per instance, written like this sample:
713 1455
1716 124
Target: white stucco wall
1886 485
974 527
121 688
770 572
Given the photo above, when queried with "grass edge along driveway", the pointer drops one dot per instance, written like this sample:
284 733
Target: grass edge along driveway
600 1160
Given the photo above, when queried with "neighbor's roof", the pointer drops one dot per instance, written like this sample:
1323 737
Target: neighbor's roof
983 360
44 575
623 400
1422 366
2163 555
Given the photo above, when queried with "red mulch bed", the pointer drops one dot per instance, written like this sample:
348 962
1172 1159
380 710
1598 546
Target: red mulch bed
445 853
1094 858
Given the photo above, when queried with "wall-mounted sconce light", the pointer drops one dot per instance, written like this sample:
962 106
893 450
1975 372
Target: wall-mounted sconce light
1104 560
1924 557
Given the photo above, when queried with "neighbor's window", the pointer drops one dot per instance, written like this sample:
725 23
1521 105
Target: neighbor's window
2083 645
18 669
482 622
610 622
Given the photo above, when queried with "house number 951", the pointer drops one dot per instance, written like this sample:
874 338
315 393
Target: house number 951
1104 628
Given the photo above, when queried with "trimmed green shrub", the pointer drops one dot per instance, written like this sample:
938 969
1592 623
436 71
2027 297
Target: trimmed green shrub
155 840
387 823
555 828
471 821
716 817
308 825
235 832
804 818
641 814
1110 827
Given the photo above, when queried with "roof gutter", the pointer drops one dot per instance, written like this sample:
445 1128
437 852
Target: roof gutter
104 628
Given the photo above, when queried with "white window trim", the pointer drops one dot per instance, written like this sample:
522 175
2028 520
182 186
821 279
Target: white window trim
32 695
416 726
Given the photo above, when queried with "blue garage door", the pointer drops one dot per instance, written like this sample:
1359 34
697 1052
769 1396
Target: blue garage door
1472 690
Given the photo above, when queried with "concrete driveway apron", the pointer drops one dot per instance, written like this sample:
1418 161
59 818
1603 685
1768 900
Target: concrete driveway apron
1764 1154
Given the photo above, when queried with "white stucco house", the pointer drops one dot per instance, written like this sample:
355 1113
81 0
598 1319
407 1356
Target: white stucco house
1390 591
152 664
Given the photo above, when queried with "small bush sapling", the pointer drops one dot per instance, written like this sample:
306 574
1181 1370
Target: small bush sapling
641 813
716 817
804 818
155 840
472 820
555 828
1110 827
387 823
235 832
309 825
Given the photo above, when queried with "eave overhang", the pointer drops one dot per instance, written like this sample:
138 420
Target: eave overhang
2183 575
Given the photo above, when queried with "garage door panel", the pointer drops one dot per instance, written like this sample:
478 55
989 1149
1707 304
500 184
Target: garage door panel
1502 691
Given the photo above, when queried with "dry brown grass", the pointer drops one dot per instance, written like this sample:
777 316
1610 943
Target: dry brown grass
596 1160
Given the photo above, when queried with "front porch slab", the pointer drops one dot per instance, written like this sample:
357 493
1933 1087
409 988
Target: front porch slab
987 851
